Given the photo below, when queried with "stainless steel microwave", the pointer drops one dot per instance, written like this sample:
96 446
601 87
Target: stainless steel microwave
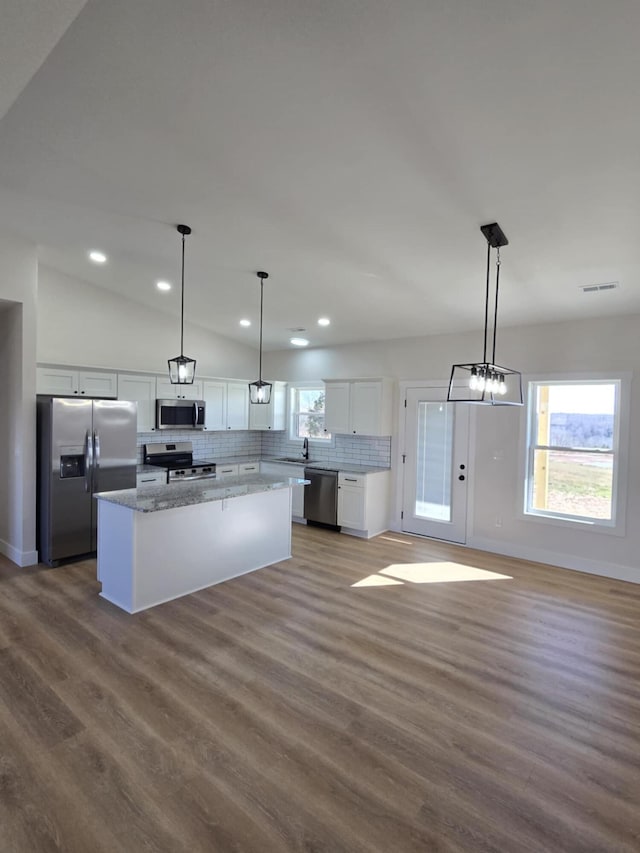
180 414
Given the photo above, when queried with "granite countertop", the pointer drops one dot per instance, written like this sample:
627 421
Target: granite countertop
345 467
174 495
235 460
150 469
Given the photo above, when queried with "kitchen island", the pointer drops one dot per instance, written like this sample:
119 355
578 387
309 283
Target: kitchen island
159 543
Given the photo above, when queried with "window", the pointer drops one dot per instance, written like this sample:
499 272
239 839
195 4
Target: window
572 459
307 413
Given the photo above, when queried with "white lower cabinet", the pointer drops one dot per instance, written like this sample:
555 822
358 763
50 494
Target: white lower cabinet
226 471
249 468
363 503
351 502
297 493
151 479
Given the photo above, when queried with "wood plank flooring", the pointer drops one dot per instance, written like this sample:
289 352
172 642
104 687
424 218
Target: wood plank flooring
290 711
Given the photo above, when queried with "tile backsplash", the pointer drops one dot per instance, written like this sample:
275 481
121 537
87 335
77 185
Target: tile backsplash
207 445
360 450
357 449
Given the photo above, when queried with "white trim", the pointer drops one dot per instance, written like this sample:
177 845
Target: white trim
620 451
567 562
292 387
554 558
397 506
20 558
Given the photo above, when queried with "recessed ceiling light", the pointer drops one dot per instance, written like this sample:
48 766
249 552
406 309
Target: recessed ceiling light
245 322
299 342
163 285
97 257
324 321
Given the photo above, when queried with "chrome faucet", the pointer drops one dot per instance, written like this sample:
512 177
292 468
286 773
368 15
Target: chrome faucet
305 449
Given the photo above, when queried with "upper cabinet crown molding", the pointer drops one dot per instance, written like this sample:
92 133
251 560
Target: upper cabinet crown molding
358 406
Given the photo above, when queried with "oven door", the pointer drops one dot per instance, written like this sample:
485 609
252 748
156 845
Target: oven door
180 414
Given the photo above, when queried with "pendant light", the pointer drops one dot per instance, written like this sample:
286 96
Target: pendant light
486 382
182 370
259 391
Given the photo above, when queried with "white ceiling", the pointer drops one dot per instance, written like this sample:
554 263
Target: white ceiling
351 148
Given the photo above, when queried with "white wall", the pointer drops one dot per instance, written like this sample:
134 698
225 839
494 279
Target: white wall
609 344
79 323
18 290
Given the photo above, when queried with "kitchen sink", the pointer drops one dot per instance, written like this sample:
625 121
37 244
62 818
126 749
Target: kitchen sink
297 459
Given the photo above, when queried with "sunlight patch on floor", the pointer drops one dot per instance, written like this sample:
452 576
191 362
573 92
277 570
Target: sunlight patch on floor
377 580
444 572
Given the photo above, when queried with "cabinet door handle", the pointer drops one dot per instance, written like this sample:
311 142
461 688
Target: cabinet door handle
350 480
148 480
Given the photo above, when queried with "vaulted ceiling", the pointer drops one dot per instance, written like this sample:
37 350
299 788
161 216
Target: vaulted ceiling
351 148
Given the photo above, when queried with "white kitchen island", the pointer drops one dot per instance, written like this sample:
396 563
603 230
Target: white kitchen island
159 543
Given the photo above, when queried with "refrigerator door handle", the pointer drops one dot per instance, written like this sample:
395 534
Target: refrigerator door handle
96 450
88 460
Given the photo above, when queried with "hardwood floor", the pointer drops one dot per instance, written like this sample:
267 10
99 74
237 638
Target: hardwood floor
290 711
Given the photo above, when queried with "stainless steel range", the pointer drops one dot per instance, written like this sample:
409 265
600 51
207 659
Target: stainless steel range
177 458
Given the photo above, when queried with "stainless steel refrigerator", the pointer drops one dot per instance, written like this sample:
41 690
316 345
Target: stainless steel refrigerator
84 446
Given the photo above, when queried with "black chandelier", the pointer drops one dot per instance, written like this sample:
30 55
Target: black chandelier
182 369
486 382
259 391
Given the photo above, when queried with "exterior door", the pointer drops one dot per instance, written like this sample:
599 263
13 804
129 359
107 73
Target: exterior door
436 465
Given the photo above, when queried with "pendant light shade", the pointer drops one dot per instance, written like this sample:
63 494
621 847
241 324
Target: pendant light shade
486 382
259 391
182 369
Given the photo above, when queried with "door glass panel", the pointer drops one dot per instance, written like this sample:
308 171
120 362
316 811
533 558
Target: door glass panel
434 448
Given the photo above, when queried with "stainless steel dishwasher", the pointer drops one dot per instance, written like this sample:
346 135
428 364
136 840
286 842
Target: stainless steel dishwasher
321 497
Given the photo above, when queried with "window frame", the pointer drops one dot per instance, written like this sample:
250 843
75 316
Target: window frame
292 413
619 451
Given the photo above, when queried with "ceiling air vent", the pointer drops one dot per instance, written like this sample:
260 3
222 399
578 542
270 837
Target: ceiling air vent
594 288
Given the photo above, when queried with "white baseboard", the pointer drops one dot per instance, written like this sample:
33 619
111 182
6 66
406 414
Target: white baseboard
563 561
20 558
541 555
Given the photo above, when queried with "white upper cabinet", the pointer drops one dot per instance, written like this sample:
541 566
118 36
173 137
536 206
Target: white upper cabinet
227 404
237 405
271 415
358 406
214 395
336 407
142 390
66 383
165 390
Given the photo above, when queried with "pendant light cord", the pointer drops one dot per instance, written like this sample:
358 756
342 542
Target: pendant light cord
182 304
486 304
261 301
495 312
